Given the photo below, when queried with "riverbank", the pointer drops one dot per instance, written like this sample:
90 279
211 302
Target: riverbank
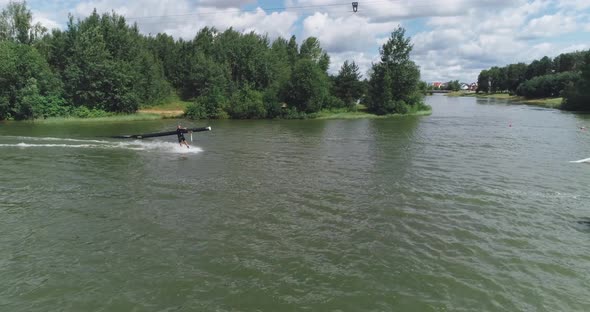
176 110
544 102
173 109
362 114
115 118
162 113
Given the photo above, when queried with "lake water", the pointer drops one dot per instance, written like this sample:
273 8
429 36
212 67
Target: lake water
474 208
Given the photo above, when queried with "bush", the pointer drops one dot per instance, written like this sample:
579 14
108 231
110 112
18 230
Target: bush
293 113
196 110
334 102
576 98
401 107
308 88
208 106
85 112
247 103
25 81
423 107
52 106
271 102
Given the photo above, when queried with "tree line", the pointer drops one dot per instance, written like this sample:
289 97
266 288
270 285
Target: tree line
563 76
101 65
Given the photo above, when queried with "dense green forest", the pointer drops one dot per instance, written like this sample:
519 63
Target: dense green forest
567 76
102 65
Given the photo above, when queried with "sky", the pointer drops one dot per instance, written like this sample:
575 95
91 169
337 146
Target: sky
452 39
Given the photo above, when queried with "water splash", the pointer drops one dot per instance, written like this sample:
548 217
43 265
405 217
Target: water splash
137 145
586 160
56 139
159 146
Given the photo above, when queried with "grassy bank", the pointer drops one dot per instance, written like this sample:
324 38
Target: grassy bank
361 113
544 102
114 118
176 109
547 102
172 109
173 104
480 95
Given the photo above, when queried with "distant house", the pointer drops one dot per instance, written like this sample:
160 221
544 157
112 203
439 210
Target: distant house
473 86
464 86
437 84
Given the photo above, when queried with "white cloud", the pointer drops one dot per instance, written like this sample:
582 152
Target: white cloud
274 24
459 47
45 20
444 21
342 34
135 8
550 25
464 36
574 47
508 20
576 4
155 7
384 11
585 22
183 19
438 39
226 3
362 60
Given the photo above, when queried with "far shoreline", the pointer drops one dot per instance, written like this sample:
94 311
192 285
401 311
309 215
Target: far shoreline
554 103
157 114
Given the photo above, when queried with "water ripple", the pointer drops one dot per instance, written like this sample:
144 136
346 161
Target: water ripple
453 212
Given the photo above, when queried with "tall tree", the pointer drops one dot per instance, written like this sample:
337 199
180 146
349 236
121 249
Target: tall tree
347 84
308 88
564 62
27 85
167 51
292 50
515 75
483 81
494 75
16 24
311 49
539 67
393 85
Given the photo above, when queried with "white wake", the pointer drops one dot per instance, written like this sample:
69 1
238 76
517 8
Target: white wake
136 145
586 160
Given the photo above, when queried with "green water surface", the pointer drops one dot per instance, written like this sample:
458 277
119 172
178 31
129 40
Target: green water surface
474 208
